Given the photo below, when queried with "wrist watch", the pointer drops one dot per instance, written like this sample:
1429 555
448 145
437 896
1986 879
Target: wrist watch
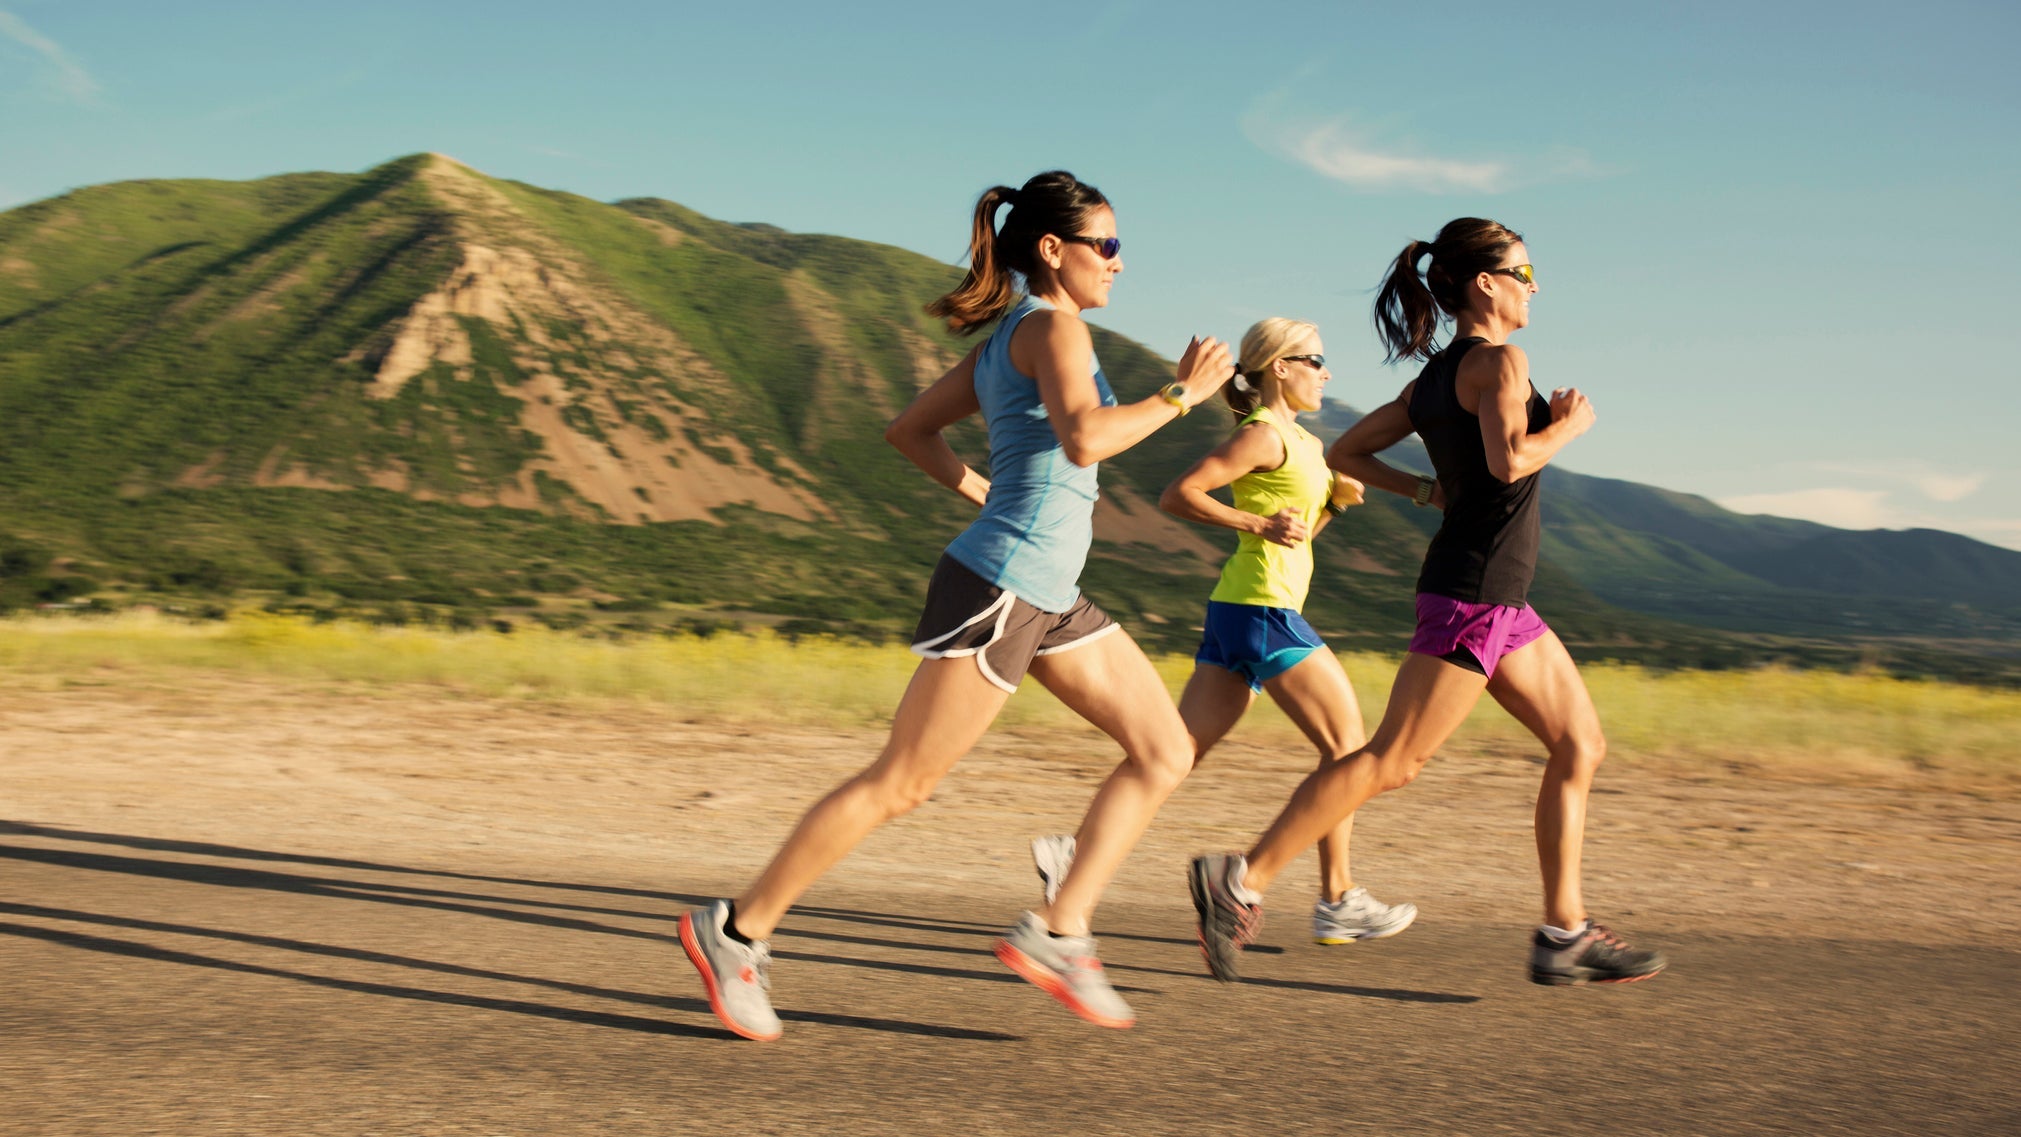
1426 485
1175 394
1333 507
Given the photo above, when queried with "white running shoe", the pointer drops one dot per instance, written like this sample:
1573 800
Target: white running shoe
1064 967
1053 856
1358 916
737 978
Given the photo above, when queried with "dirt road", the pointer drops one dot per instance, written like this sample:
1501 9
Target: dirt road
234 906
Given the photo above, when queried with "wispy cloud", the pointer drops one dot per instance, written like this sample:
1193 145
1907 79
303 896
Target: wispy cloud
1845 508
1348 151
1931 481
1948 487
1848 508
71 79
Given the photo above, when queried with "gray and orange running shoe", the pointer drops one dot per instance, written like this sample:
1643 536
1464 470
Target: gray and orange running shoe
1592 955
1064 967
737 978
1231 916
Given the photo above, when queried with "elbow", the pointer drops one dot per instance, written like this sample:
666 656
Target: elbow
1505 468
1172 500
1079 451
894 433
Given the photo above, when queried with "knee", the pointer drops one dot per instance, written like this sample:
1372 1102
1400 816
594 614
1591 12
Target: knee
1578 756
894 796
1163 767
1396 770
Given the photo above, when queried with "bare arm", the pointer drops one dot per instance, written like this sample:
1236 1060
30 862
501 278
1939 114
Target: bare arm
916 432
1498 376
1354 453
1054 348
1346 491
1254 447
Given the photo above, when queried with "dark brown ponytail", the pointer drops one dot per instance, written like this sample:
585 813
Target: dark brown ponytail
1001 261
1409 307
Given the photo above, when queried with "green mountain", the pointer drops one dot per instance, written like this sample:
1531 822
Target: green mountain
420 389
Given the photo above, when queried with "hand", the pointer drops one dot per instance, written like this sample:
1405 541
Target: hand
1204 368
1287 528
1347 491
1571 407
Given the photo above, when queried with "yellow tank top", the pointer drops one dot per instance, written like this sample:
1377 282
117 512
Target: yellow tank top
1264 572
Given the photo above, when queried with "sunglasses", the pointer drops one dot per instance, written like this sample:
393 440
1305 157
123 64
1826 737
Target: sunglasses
1315 360
1524 273
1106 247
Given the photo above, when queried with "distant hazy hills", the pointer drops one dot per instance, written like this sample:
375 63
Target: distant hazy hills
423 386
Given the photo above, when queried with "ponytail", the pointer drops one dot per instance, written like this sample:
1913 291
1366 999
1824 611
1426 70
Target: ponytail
1000 261
1243 393
1406 313
1408 308
988 290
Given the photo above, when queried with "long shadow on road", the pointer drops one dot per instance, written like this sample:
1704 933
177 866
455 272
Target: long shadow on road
527 910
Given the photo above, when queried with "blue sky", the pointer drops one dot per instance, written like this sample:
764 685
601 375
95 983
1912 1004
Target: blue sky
1776 240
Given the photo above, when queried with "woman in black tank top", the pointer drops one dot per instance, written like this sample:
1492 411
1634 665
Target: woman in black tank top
1489 434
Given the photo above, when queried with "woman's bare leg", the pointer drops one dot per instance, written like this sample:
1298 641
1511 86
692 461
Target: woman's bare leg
1429 701
946 708
1112 684
1316 696
1215 700
1541 686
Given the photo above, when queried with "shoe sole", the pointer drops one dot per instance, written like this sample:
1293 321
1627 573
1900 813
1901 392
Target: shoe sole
1049 981
695 956
1378 934
1221 960
1562 979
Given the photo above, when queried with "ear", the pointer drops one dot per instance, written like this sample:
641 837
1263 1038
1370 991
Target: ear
1051 251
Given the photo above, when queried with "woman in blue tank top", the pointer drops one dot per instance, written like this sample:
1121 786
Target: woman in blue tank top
1004 599
1489 434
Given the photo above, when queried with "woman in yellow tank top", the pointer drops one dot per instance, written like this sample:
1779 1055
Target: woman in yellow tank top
1255 638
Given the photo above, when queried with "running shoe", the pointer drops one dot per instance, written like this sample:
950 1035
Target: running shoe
1358 916
1053 856
1230 915
1064 967
1593 955
737 978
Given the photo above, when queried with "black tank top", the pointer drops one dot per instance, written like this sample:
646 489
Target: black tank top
1485 551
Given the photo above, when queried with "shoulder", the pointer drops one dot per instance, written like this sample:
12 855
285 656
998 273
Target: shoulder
1257 440
1495 365
1056 327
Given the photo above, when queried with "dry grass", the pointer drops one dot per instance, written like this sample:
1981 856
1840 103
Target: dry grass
1796 721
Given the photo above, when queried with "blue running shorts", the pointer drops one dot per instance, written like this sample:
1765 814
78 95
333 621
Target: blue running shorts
1256 642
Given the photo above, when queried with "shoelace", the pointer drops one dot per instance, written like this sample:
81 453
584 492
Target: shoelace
1605 939
761 964
1250 925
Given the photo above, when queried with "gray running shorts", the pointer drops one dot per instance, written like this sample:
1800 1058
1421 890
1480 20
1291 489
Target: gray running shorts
967 615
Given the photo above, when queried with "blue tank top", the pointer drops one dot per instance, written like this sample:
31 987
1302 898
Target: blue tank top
1034 531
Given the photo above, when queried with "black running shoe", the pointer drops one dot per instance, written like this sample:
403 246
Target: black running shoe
1595 955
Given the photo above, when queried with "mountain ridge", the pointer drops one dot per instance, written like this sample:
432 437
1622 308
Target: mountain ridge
424 385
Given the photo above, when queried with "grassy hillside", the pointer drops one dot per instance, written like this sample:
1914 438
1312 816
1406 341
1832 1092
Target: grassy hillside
423 393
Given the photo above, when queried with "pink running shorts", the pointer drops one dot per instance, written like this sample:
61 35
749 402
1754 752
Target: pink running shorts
1474 636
